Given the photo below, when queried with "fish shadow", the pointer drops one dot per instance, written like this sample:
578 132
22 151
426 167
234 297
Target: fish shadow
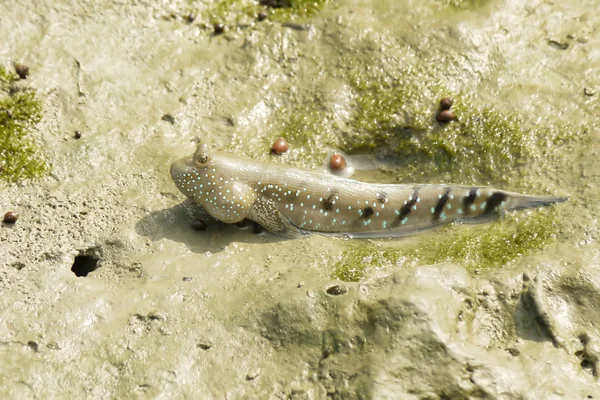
175 223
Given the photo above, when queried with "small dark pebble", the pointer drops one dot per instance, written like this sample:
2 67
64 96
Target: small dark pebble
558 45
262 15
168 118
22 70
252 375
446 103
187 279
337 162
336 290
513 351
77 134
11 217
280 146
218 28
198 225
446 116
190 17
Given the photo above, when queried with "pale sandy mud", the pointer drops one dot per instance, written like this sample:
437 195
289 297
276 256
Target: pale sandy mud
173 313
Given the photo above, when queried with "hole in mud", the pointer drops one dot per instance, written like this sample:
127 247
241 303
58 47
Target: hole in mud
33 345
18 265
204 345
84 264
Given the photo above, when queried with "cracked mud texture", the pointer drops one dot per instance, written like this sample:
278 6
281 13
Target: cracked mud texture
161 310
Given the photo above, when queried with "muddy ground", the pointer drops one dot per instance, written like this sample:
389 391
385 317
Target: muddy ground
166 311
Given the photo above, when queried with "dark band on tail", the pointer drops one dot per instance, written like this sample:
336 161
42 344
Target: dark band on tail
328 202
493 202
439 208
469 199
407 208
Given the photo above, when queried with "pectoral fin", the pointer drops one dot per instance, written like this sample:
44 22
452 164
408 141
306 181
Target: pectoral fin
229 203
265 212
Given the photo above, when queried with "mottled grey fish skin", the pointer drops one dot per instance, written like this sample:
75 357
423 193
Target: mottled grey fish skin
293 202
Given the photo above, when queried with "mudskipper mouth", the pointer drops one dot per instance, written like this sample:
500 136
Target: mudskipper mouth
180 167
180 170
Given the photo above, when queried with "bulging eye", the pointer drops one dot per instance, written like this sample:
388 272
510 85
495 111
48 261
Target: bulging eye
202 159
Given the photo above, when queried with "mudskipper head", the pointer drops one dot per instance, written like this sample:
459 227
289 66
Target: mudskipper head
191 174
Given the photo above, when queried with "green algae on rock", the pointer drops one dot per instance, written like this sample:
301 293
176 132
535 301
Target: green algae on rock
20 157
506 241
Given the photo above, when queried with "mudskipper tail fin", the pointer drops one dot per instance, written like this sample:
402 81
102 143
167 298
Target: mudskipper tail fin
518 201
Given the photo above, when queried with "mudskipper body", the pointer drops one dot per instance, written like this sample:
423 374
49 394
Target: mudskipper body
294 202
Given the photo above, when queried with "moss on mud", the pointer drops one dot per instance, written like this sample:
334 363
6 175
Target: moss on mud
482 145
292 10
232 12
20 110
506 241
463 3
393 114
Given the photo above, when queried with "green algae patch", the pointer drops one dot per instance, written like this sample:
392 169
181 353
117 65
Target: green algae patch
395 113
235 12
6 77
20 157
309 126
487 246
391 113
503 242
294 10
462 4
230 11
362 258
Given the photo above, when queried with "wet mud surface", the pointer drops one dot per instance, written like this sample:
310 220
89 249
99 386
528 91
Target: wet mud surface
107 291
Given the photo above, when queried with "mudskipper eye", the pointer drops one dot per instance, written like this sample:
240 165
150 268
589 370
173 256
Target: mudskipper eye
202 159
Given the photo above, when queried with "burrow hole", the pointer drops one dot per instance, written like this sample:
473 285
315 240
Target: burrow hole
85 262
